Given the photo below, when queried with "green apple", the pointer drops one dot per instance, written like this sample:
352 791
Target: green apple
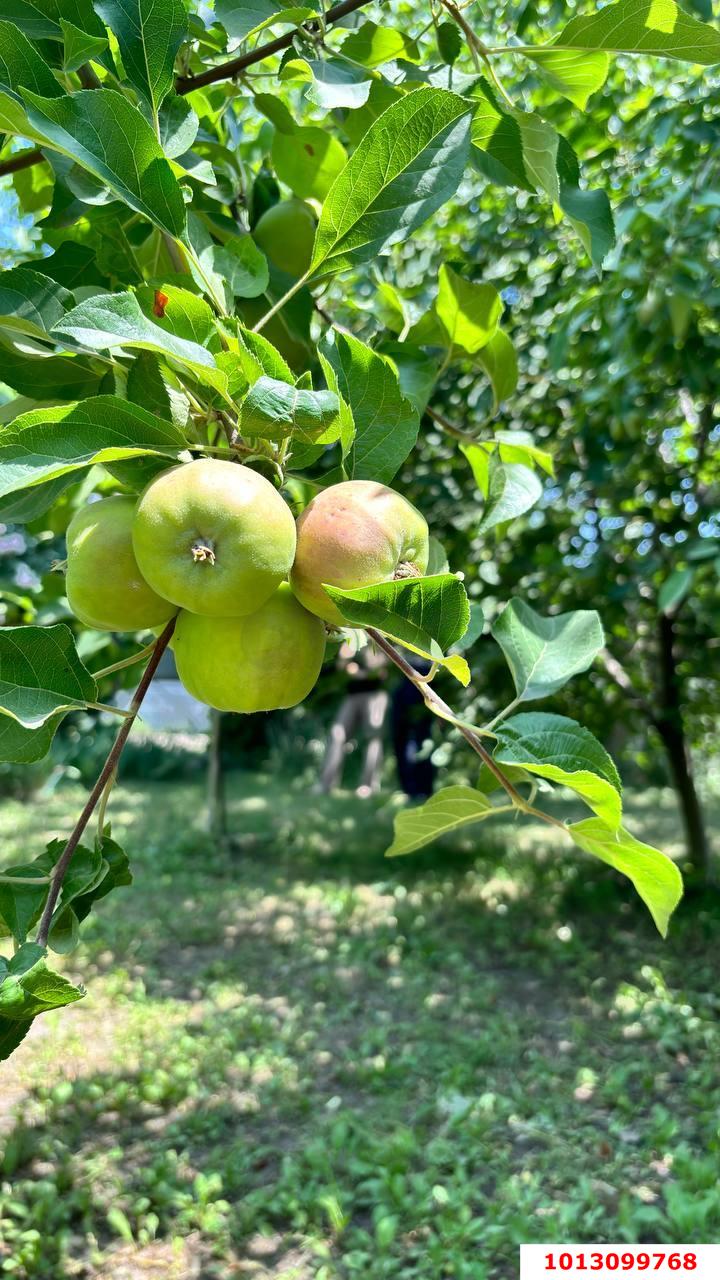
352 535
286 233
213 537
104 586
262 662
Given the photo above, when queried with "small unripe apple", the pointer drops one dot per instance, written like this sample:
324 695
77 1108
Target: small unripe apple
263 662
104 586
286 233
213 537
352 535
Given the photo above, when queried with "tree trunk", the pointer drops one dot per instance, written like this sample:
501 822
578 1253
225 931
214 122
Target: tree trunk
670 726
216 786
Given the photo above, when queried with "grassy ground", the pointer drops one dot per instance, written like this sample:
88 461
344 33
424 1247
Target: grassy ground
299 1060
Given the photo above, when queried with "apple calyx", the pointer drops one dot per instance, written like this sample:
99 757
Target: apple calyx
203 552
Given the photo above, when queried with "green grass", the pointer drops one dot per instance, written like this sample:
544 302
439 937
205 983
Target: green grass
297 1059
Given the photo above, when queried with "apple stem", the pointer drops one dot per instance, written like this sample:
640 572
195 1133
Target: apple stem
406 570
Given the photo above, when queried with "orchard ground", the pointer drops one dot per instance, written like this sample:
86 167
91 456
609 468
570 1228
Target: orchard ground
297 1059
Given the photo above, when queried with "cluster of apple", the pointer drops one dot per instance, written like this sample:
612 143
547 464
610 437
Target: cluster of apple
214 543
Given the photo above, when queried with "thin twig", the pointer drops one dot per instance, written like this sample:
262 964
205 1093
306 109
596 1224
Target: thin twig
440 707
224 71
106 773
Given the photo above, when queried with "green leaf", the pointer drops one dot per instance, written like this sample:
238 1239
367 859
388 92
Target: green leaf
107 135
562 751
22 904
178 126
11 1035
242 18
41 674
149 34
108 321
674 589
115 874
332 83
575 75
417 372
79 47
518 446
47 443
469 312
308 160
658 27
499 361
48 377
30 302
19 745
378 198
655 877
22 66
512 490
449 41
371 45
274 410
591 216
242 266
448 810
427 615
30 988
35 18
386 423
544 653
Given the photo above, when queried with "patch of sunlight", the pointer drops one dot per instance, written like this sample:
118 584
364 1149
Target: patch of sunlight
662 15
253 804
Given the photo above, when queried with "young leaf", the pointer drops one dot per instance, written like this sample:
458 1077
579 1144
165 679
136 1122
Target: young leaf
386 423
655 877
274 410
544 653
149 34
644 26
47 443
512 490
562 751
428 615
41 674
469 312
378 198
447 811
107 135
79 46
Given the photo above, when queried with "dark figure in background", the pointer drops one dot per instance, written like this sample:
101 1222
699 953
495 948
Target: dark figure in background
412 724
360 718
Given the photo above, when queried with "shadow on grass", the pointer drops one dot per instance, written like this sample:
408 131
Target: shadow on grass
386 1069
